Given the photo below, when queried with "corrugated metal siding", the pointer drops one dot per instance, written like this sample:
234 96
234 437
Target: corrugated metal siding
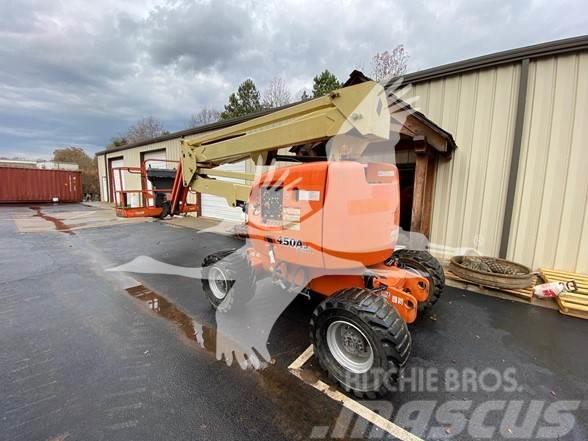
38 185
478 108
550 224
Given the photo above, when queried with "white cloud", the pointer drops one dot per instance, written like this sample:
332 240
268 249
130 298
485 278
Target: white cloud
80 72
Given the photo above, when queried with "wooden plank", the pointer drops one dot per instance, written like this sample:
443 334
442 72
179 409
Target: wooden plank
574 304
582 286
576 314
573 297
574 307
576 276
436 141
428 203
561 305
422 204
564 277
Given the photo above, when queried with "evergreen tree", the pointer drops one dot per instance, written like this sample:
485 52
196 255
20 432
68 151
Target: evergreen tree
324 83
246 100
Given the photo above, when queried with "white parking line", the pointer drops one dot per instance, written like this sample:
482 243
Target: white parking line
296 369
302 359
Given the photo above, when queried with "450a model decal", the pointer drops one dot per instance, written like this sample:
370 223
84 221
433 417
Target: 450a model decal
294 243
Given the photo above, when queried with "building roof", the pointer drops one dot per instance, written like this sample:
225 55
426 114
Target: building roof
556 47
195 130
357 77
354 78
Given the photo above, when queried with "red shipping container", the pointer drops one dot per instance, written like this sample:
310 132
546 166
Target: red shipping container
39 185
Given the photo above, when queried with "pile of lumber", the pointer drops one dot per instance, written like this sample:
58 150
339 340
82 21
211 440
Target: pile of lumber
574 304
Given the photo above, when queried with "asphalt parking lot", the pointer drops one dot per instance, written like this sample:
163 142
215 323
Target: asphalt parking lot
84 358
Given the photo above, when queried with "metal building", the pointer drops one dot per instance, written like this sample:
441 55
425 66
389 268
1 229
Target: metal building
515 187
164 148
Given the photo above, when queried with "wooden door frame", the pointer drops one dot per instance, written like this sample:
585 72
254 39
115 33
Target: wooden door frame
424 184
111 178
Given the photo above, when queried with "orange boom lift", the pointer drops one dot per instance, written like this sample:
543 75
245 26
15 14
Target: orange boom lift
326 225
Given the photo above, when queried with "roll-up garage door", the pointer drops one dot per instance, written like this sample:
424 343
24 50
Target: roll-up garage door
217 207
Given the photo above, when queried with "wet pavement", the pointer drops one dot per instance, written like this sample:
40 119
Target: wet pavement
83 360
93 354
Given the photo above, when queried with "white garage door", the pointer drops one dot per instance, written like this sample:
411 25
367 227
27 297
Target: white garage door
217 207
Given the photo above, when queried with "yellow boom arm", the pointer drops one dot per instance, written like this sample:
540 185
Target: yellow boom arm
362 108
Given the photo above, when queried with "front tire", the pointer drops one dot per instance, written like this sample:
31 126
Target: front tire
228 280
360 340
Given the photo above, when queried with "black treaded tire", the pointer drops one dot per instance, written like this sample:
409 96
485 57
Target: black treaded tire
241 276
381 325
426 264
165 210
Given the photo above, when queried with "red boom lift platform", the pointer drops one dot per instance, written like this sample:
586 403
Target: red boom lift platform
167 195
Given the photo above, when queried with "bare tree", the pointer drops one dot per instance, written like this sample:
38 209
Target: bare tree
144 129
389 64
205 116
276 94
88 165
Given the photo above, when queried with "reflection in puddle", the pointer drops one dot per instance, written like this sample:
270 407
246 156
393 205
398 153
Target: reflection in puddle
237 343
205 336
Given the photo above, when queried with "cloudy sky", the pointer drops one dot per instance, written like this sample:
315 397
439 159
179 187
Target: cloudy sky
76 72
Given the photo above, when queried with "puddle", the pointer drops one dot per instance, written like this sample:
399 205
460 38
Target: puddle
225 346
204 336
300 410
59 224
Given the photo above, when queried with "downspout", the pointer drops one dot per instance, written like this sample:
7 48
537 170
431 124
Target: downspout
515 158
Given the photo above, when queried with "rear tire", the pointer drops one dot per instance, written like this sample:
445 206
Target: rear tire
360 340
227 279
427 266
